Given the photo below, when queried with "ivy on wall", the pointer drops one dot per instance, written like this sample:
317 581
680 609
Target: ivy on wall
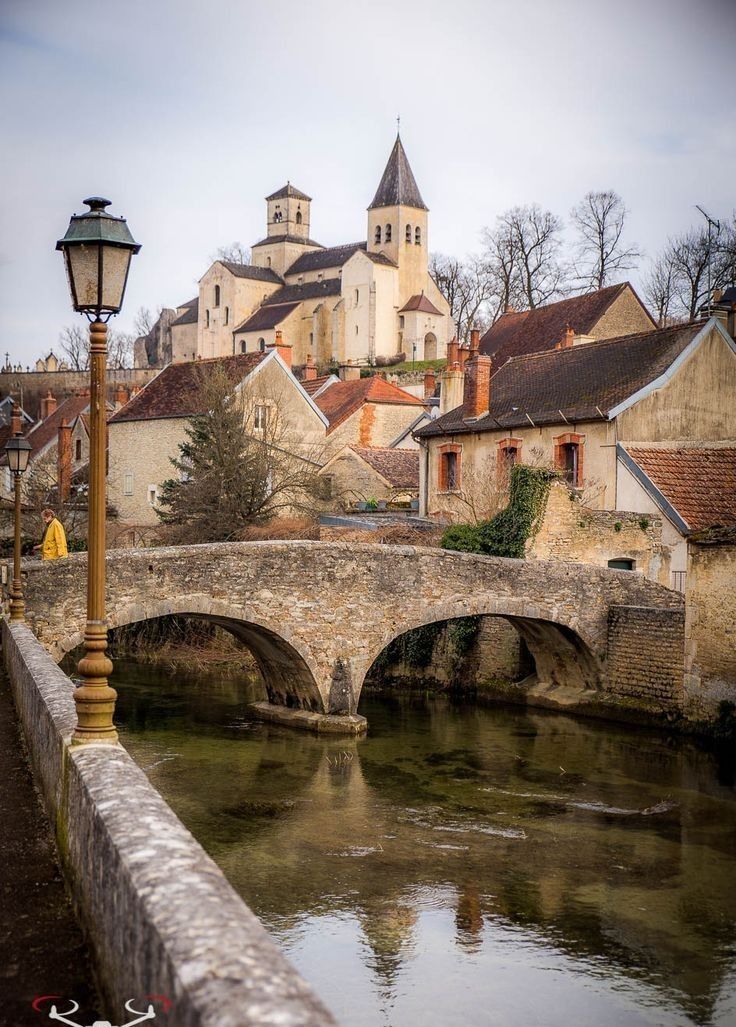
508 532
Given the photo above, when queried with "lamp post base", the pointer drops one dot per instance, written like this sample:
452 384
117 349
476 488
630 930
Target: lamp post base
94 698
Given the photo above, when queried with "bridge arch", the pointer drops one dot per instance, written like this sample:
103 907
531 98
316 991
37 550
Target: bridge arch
285 663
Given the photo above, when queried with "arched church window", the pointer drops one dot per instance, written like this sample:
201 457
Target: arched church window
242 345
277 215
269 261
377 236
408 233
357 297
206 318
417 236
262 345
217 296
298 217
388 233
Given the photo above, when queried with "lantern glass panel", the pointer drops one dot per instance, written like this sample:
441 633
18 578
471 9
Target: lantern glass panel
114 273
83 268
17 452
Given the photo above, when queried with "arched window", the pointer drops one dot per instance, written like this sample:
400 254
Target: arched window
217 296
357 297
417 236
408 233
227 315
269 261
206 318
261 345
277 215
430 346
388 233
242 345
377 236
298 217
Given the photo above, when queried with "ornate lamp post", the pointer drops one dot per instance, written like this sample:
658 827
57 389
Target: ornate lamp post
97 249
17 450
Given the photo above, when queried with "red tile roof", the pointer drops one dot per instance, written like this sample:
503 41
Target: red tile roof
342 399
420 302
400 467
176 391
532 331
312 385
700 483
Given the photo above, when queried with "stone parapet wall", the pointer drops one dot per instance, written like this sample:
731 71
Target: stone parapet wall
32 385
159 913
645 655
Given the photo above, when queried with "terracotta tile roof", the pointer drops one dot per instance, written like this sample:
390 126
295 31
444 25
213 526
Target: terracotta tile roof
583 382
259 274
532 331
286 191
306 291
266 317
420 302
190 315
700 483
313 385
342 399
400 467
176 391
398 185
333 256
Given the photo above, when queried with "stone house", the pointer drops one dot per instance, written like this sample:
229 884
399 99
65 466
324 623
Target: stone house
571 407
604 314
356 474
359 301
145 434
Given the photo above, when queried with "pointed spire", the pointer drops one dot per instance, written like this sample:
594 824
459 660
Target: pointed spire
398 185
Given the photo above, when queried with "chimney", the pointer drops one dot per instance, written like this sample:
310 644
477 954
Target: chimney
64 461
349 372
15 422
474 341
452 348
282 348
508 309
48 405
310 369
717 295
567 339
121 396
429 383
462 356
477 387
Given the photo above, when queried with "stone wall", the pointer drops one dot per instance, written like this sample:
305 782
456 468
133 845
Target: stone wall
32 385
710 624
645 656
160 916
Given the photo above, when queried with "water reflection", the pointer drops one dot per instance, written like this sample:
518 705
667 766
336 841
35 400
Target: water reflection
460 865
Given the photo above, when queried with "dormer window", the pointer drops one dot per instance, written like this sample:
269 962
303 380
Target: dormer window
377 236
217 296
417 236
408 233
298 217
388 233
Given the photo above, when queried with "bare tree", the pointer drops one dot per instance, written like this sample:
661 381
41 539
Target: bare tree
74 342
234 253
524 252
143 321
467 287
681 272
659 289
119 348
601 255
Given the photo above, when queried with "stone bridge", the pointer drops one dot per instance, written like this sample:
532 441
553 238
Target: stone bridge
317 614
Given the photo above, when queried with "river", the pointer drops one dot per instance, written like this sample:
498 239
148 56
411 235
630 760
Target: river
460 866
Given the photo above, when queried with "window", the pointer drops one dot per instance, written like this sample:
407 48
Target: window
242 345
377 235
260 418
277 215
388 233
206 318
569 457
261 345
509 453
77 449
128 483
449 469
417 236
268 261
152 494
356 329
217 296
298 217
311 338
357 297
408 233
621 565
320 276
227 315
326 486
401 320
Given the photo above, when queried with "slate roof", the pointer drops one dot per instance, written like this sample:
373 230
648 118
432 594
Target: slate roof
288 190
700 483
260 274
398 185
532 331
306 291
400 467
176 391
48 429
342 399
286 238
190 315
332 256
266 317
420 302
583 382
380 258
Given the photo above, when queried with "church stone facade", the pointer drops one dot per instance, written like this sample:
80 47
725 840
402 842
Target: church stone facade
361 302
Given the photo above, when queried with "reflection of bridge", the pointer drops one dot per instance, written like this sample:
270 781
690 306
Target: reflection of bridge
316 614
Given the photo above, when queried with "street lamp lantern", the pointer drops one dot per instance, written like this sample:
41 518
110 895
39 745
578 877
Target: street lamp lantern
97 249
17 451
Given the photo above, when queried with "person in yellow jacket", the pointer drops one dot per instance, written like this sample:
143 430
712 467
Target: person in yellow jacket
53 545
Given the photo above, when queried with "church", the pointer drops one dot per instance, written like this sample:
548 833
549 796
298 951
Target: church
361 303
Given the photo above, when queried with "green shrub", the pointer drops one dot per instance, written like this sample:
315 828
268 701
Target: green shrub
644 523
618 526
462 633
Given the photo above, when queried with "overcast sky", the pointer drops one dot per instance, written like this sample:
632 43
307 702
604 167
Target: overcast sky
187 113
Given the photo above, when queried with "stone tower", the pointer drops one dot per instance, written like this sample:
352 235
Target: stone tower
288 217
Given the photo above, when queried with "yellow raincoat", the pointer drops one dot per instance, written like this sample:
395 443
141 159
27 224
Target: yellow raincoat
54 541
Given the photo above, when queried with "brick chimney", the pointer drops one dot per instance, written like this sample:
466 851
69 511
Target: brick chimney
282 348
452 348
15 422
310 369
48 405
349 372
64 461
462 356
429 383
474 341
567 339
477 387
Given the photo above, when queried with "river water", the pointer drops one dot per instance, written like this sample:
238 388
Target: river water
460 866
